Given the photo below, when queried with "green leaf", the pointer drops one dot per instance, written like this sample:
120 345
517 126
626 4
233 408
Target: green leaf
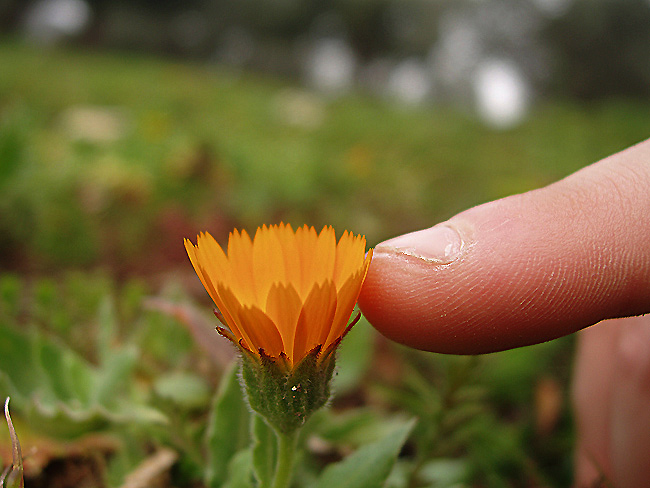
107 319
355 427
52 361
445 473
240 473
60 392
20 377
11 289
82 380
228 427
115 373
370 466
184 389
264 451
353 357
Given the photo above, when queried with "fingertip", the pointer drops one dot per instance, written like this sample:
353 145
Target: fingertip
521 270
409 282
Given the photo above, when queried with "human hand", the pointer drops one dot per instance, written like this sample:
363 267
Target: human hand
533 267
611 397
521 270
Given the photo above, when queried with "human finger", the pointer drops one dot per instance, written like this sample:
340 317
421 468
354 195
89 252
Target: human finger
521 270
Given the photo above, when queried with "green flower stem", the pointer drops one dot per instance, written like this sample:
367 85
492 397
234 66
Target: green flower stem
286 453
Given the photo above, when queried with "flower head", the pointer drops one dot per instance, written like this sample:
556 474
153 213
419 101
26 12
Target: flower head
286 298
283 293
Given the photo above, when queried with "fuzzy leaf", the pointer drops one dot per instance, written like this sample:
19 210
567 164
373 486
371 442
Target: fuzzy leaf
115 373
353 357
240 471
19 377
185 389
108 326
201 328
264 451
59 392
370 466
227 427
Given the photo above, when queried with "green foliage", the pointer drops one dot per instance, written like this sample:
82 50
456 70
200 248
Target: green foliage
353 357
72 368
80 353
227 428
370 466
476 418
264 452
187 390
239 471
224 151
62 393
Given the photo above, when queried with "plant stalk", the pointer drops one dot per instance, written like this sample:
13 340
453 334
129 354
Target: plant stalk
286 454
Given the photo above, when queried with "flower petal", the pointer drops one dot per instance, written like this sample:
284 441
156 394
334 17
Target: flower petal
206 272
232 306
283 293
290 255
317 253
283 306
268 262
315 319
325 255
213 259
262 331
349 257
347 298
240 260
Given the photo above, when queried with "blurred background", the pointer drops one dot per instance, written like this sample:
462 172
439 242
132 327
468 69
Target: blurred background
126 126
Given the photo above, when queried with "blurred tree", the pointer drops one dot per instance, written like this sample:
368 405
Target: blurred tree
585 48
602 48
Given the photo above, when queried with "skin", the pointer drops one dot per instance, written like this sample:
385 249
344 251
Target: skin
533 267
611 395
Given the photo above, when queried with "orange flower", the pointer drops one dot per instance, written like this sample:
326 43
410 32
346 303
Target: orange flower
284 293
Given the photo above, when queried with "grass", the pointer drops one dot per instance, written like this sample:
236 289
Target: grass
220 145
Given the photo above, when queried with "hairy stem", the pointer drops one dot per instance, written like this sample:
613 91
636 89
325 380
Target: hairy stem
286 454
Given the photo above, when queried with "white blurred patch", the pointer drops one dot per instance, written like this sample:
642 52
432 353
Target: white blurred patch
410 82
458 50
330 65
299 108
502 94
94 124
48 21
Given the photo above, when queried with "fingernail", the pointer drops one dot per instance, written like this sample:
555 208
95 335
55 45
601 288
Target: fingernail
440 244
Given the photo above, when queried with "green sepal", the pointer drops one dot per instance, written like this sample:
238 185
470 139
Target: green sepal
284 396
